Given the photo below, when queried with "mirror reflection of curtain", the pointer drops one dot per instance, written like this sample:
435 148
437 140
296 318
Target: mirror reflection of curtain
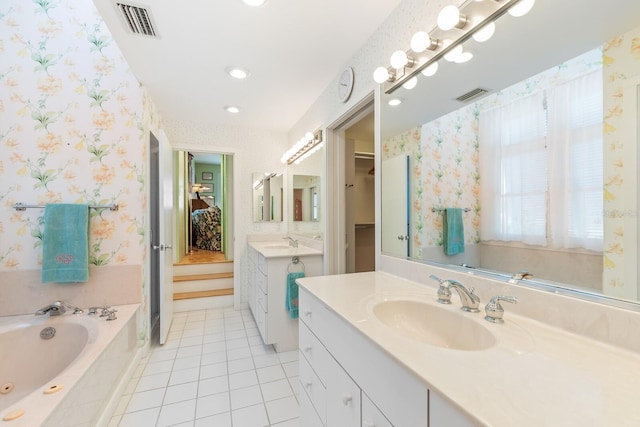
576 171
513 172
541 163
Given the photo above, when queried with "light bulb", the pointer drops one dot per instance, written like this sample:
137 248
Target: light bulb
463 57
450 17
484 33
308 136
521 8
430 70
453 53
395 102
411 83
381 75
255 3
232 109
420 42
399 59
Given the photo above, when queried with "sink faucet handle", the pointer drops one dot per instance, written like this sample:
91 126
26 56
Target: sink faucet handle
493 309
444 293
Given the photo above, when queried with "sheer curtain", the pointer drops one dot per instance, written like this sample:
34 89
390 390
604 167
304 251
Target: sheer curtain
575 138
513 172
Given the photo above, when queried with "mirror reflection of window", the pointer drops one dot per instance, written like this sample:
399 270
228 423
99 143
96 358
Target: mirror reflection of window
314 205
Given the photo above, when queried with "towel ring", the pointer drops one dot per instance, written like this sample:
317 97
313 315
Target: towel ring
295 261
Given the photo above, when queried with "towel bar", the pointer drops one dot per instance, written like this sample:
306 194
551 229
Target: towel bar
443 209
22 206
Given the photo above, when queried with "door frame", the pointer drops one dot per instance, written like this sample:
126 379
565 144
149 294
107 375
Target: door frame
336 227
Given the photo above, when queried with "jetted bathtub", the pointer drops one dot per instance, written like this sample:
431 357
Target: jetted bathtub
62 370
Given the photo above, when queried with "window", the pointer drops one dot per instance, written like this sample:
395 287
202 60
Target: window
541 167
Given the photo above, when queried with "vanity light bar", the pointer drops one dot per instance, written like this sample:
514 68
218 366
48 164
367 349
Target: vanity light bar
304 148
489 10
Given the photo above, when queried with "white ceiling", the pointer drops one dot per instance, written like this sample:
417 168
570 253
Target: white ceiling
293 49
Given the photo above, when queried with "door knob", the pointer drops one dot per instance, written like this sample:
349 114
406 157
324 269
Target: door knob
403 237
158 247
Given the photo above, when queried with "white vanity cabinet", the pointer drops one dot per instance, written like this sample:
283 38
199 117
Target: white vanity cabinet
348 381
267 293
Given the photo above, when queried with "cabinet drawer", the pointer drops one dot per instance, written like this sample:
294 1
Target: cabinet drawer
261 263
313 388
308 415
261 301
313 313
261 282
343 398
315 353
371 415
260 317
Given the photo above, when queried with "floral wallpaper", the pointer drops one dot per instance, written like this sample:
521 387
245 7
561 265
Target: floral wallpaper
444 156
621 65
74 126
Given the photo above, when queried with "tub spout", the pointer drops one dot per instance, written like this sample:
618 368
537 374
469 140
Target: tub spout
57 308
53 309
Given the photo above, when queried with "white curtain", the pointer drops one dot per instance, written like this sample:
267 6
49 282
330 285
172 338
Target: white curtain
575 114
513 172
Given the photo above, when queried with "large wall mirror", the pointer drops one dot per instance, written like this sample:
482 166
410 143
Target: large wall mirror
566 212
305 198
267 190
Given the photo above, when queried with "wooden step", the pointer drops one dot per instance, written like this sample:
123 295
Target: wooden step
202 294
193 269
190 277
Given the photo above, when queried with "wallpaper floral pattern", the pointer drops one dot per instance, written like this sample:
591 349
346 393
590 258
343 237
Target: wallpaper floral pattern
444 155
621 65
74 126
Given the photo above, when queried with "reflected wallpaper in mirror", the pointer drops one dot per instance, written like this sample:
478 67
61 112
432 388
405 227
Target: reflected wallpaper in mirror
267 196
444 170
306 198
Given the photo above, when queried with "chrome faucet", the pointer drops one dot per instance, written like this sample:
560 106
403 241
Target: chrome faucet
494 311
57 308
293 243
469 300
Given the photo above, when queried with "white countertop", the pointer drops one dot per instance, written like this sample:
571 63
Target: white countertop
535 375
281 249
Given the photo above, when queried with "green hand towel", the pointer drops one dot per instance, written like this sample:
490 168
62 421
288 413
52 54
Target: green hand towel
65 245
453 231
291 301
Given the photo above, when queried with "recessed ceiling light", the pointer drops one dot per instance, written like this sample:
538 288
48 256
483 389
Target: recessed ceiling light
232 109
237 72
254 3
395 101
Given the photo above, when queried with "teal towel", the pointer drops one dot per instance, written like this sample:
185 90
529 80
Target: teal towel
65 244
291 302
453 231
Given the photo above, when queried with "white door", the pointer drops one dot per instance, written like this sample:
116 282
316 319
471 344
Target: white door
394 212
166 219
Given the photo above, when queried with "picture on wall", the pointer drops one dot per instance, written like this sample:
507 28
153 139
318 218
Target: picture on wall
207 176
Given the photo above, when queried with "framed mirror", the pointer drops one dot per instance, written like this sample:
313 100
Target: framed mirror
305 205
437 155
267 191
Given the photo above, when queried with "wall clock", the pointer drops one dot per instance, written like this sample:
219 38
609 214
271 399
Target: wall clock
345 84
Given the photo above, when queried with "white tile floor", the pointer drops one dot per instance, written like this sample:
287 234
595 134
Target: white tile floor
213 371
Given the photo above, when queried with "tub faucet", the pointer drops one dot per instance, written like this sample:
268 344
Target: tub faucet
293 243
520 275
57 308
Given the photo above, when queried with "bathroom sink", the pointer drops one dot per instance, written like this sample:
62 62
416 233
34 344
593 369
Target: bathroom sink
278 247
434 325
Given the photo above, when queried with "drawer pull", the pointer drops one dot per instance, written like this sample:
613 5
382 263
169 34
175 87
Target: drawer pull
307 384
346 399
307 349
307 313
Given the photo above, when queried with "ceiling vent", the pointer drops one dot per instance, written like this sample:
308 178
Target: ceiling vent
472 94
138 19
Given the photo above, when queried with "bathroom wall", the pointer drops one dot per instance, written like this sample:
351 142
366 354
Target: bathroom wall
74 128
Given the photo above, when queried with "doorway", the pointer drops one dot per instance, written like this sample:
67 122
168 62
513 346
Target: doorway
351 229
